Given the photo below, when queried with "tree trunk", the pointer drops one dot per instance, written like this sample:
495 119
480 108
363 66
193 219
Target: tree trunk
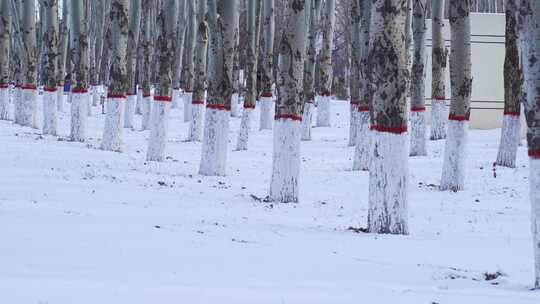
323 104
510 132
188 68
309 71
356 14
252 53
133 38
198 100
116 96
453 175
5 45
62 55
438 72
362 152
26 115
529 19
160 111
221 15
266 100
179 55
147 51
388 174
418 106
290 102
50 39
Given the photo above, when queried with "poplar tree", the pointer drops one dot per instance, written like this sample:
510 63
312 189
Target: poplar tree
326 73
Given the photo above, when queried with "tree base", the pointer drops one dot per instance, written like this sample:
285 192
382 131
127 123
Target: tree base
307 121
79 115
323 111
353 128
266 104
157 142
453 174
215 141
114 122
146 112
129 111
510 137
245 127
534 194
418 134
197 120
388 184
4 104
439 114
187 97
285 161
50 118
362 151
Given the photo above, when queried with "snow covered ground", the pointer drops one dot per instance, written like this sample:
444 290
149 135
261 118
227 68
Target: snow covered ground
80 225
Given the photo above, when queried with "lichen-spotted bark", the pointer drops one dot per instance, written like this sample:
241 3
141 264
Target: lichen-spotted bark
267 47
355 18
50 39
510 136
326 73
453 174
389 76
286 150
438 72
188 69
418 107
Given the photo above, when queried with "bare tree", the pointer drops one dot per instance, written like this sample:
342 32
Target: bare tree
438 72
160 111
266 100
252 54
133 38
290 102
198 100
388 174
326 76
5 46
529 35
116 97
50 39
510 132
221 21
418 107
453 175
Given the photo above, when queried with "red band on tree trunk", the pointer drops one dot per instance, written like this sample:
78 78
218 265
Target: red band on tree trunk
249 106
79 90
218 107
395 130
418 109
188 91
363 109
197 101
288 116
4 85
511 113
326 93
266 94
49 89
534 154
439 98
28 86
457 117
131 94
116 96
163 98
146 94
354 102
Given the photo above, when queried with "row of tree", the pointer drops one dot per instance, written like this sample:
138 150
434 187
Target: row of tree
130 47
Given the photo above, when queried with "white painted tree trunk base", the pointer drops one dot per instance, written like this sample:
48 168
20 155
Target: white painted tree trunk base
96 95
215 141
60 99
266 104
439 115
388 184
534 194
27 109
510 137
196 123
176 98
129 111
245 128
50 118
418 134
187 97
114 122
146 113
353 125
453 174
4 104
362 150
285 161
323 111
157 143
234 105
307 121
138 105
79 115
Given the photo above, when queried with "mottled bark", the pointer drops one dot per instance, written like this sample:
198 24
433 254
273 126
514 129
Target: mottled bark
28 26
147 46
438 72
133 38
267 48
188 68
418 107
365 26
309 70
50 39
201 45
119 82
63 44
252 53
5 45
179 43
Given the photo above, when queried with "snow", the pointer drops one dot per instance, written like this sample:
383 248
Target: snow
80 225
